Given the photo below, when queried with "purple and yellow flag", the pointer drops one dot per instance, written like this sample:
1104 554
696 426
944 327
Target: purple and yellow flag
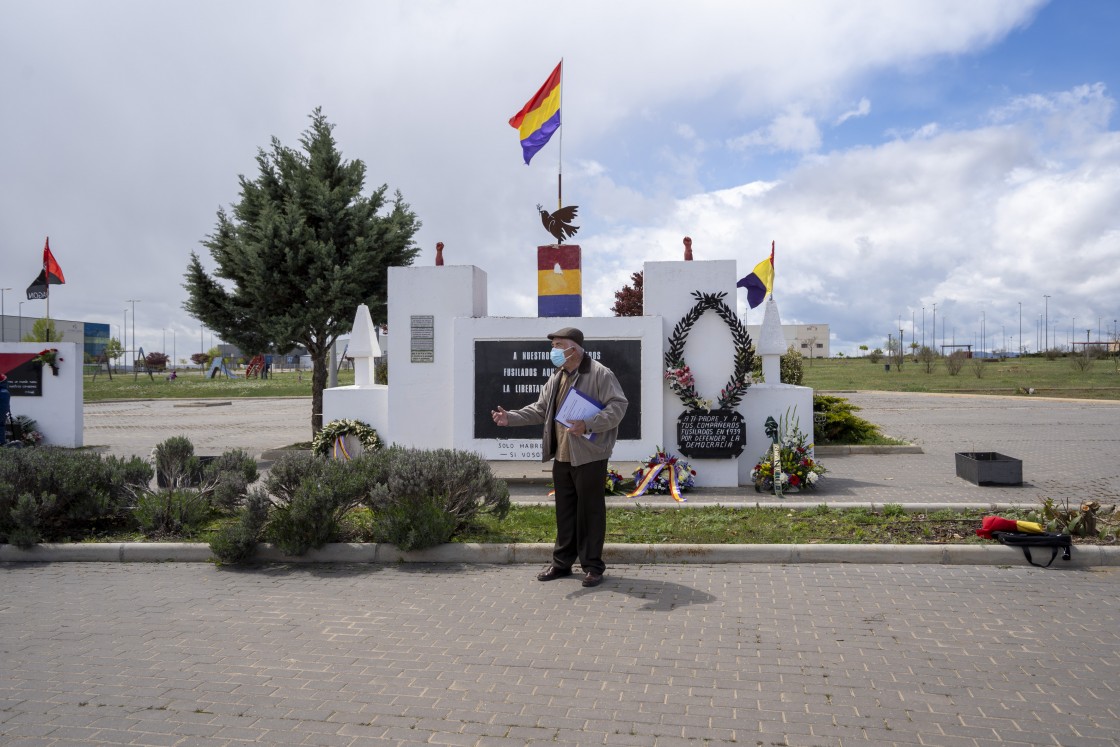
540 117
761 281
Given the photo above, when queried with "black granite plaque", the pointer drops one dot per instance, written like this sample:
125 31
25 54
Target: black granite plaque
511 374
26 380
719 434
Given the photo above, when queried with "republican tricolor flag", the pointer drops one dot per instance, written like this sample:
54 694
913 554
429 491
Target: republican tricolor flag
540 117
761 281
51 274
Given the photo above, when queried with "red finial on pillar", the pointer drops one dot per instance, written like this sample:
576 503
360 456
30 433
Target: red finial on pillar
687 249
439 254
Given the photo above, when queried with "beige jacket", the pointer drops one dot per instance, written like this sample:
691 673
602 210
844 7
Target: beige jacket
596 381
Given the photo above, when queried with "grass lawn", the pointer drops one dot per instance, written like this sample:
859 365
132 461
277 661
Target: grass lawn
1056 378
192 384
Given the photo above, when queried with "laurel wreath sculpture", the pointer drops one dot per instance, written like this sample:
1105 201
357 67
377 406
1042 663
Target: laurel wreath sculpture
336 429
680 376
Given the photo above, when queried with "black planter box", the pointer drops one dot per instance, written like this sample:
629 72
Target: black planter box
989 468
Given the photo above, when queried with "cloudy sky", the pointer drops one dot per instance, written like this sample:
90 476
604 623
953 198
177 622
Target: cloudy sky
962 153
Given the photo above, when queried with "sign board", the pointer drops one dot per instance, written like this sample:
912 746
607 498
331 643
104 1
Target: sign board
25 379
719 434
423 338
512 373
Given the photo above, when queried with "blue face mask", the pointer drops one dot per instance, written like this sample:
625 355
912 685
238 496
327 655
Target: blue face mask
557 357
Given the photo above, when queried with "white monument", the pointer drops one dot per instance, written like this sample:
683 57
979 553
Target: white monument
450 364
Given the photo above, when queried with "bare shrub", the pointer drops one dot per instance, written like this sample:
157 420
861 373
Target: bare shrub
955 362
1081 363
926 358
978 367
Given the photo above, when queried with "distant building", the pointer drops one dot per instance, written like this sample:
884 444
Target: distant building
811 340
92 336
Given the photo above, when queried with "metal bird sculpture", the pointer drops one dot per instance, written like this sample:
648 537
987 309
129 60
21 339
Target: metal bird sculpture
559 224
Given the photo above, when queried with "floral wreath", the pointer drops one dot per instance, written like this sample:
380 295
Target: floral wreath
663 473
679 375
334 433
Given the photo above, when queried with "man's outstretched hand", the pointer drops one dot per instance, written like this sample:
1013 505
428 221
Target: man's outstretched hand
500 416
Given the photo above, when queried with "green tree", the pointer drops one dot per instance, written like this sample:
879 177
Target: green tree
113 349
42 330
300 250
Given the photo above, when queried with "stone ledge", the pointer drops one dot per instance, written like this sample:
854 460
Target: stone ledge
1084 556
841 450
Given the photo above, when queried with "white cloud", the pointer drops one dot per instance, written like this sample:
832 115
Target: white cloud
137 124
974 220
862 109
790 131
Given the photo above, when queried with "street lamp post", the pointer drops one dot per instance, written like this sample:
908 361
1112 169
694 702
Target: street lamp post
1020 328
1072 322
21 321
1046 341
3 326
134 301
923 326
935 326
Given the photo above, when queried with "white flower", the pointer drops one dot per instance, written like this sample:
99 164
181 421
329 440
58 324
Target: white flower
812 477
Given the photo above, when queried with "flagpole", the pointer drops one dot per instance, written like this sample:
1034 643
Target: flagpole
48 288
774 269
560 145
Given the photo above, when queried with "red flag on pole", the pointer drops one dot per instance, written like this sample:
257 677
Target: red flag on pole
51 274
50 267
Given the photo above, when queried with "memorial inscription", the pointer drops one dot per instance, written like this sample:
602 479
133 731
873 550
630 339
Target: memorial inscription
718 434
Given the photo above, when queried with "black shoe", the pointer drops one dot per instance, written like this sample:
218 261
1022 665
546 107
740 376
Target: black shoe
551 572
592 579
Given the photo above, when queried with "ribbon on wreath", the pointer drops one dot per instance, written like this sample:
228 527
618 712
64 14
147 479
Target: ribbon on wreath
340 448
647 481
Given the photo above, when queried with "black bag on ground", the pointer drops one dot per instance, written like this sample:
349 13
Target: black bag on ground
1027 540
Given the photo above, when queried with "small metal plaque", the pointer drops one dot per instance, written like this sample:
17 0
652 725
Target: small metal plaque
423 339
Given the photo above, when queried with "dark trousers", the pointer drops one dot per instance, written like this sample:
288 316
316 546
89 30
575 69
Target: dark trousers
581 515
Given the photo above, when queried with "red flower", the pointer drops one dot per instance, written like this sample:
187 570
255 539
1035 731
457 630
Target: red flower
794 480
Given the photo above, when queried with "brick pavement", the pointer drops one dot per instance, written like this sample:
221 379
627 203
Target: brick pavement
837 655
189 654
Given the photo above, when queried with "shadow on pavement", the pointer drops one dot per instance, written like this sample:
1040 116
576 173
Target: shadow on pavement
660 596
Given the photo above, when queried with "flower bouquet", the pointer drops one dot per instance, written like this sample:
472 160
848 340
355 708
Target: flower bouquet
796 468
614 482
683 383
48 357
664 473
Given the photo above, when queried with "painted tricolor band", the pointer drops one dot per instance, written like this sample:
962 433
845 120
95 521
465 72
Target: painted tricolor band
559 281
540 117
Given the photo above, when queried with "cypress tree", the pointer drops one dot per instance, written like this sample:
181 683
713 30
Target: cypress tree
298 253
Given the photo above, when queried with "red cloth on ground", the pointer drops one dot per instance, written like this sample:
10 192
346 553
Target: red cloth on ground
996 524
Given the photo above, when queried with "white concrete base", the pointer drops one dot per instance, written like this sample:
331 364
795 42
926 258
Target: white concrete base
58 413
370 404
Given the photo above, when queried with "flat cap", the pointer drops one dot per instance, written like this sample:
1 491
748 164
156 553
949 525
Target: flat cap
569 333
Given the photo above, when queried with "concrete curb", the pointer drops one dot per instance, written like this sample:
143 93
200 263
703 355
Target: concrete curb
1084 556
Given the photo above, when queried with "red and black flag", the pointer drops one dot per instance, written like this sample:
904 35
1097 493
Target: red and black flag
51 274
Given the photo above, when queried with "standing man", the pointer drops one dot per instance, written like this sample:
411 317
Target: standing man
579 468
